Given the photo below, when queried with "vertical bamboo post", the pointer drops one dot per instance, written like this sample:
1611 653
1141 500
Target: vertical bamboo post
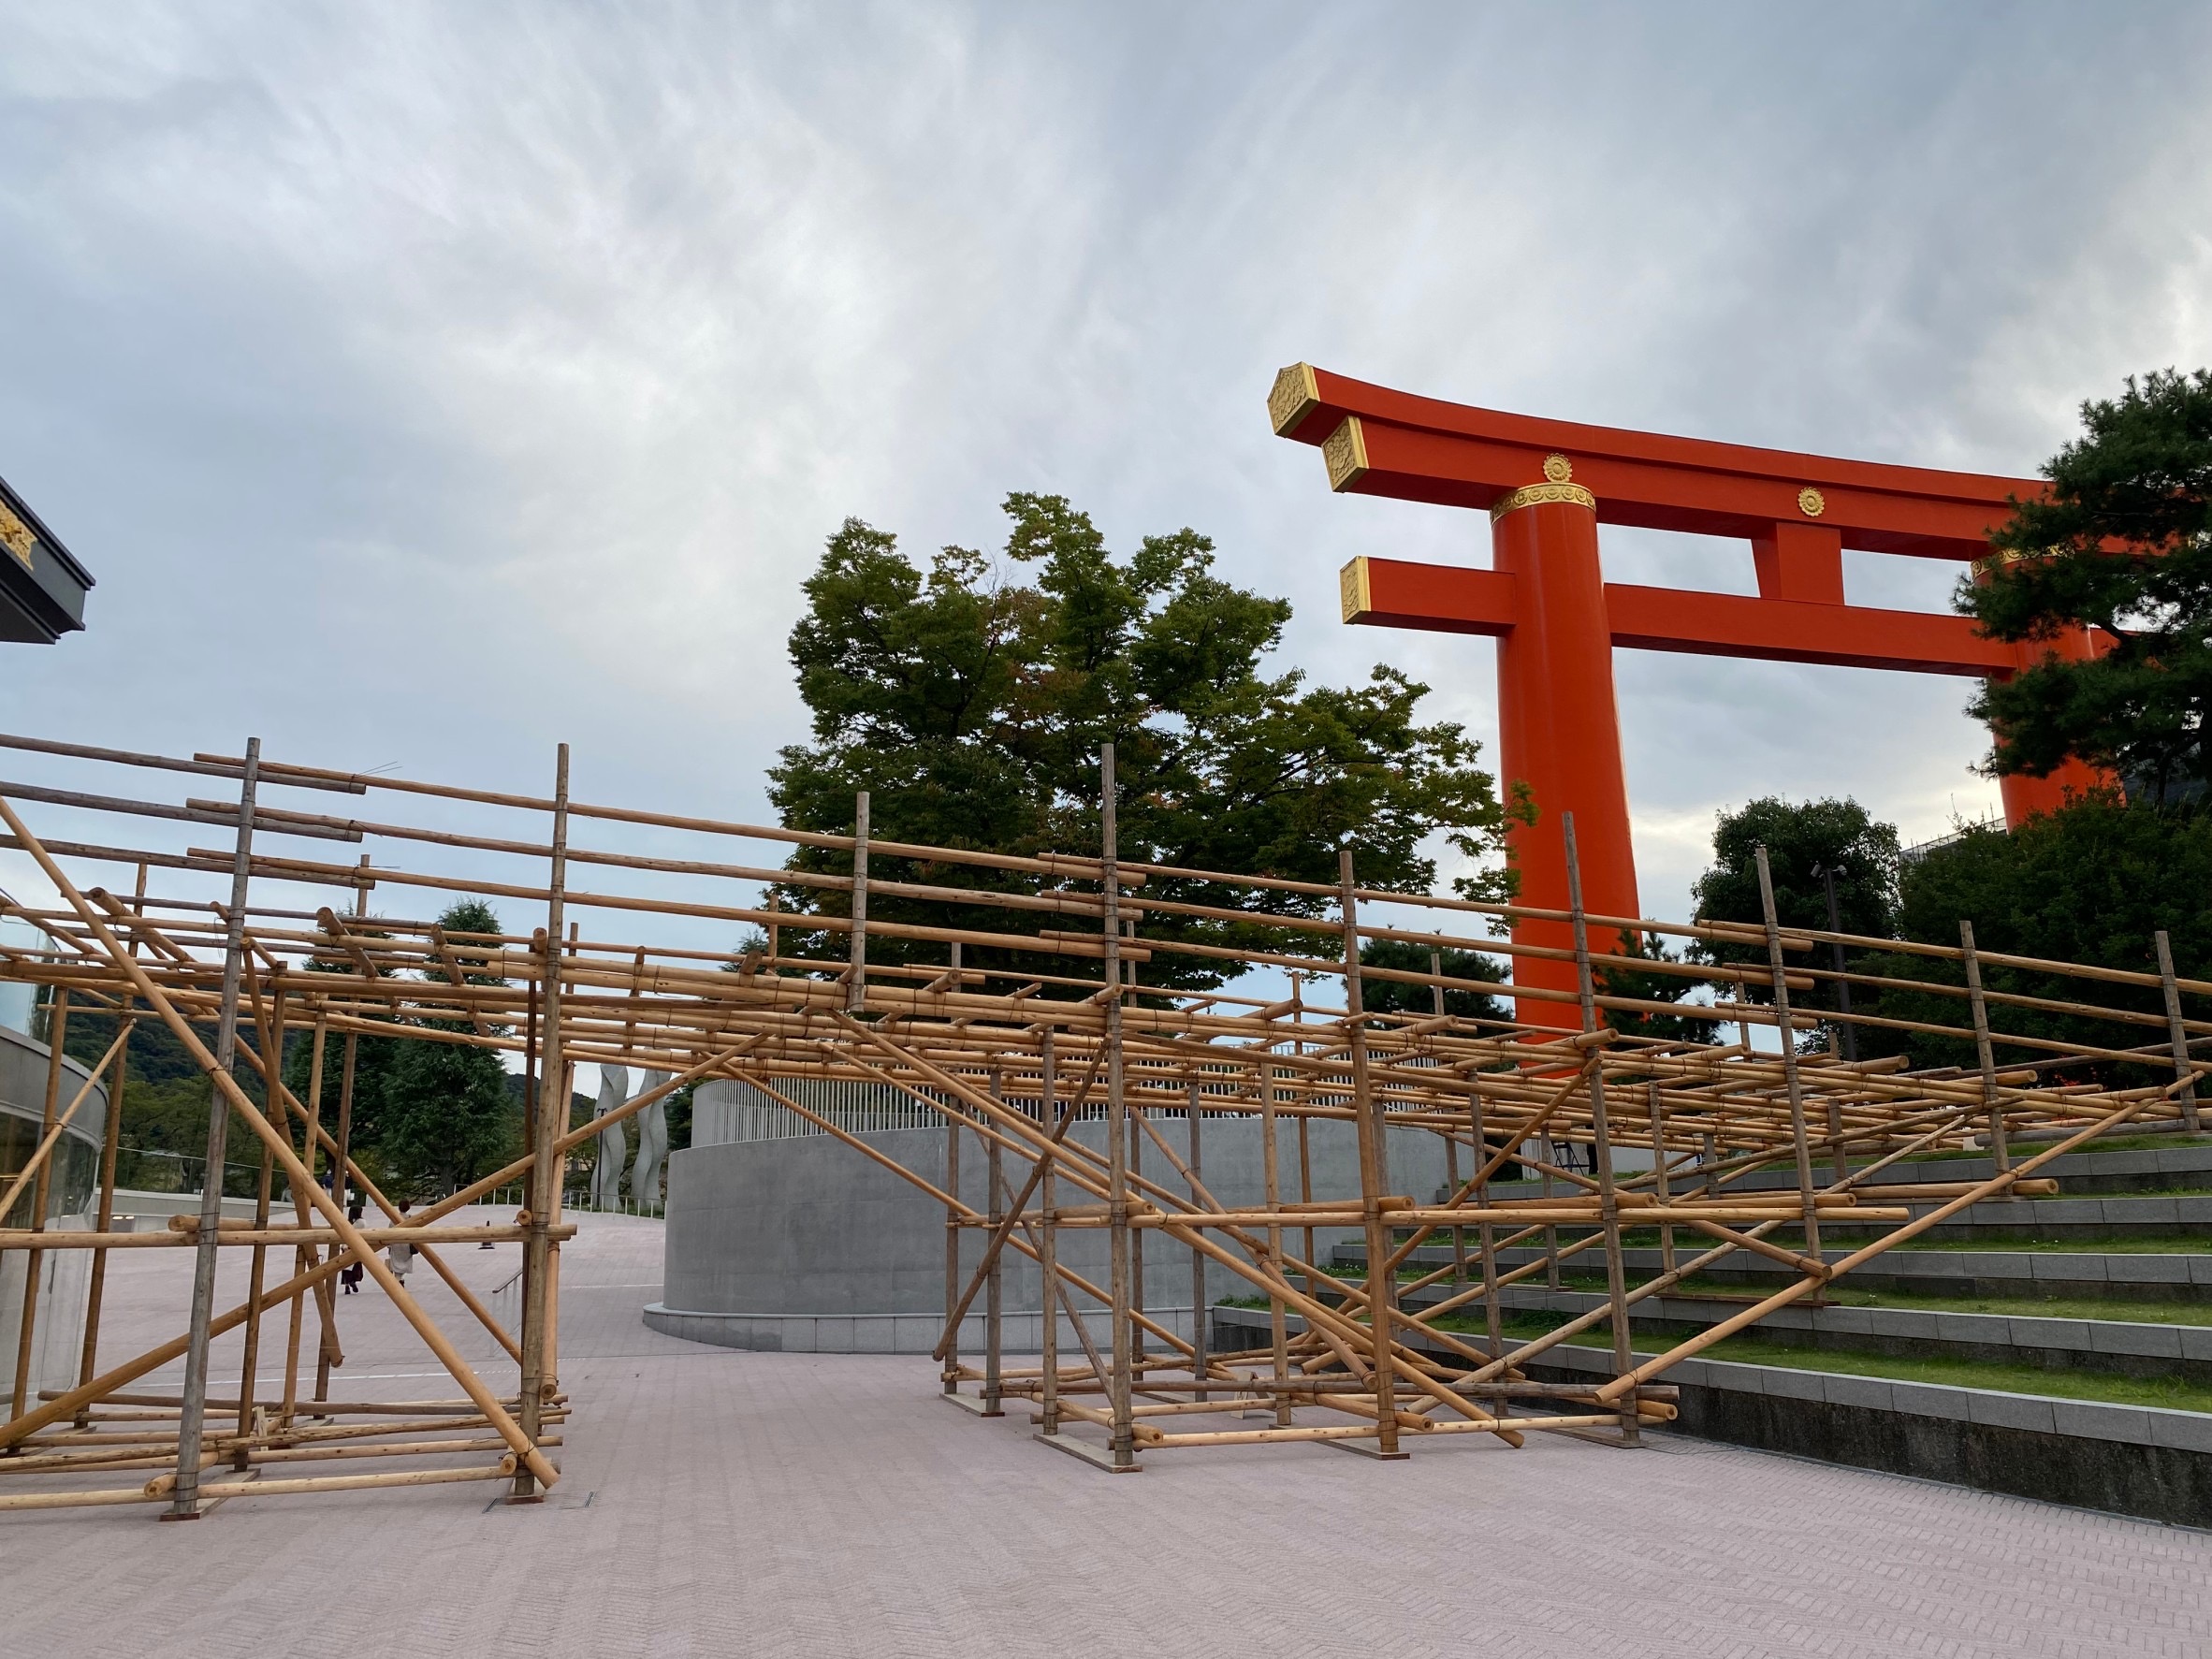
304 1256
1199 1333
1373 1170
111 1144
184 1498
1601 1142
954 1112
1048 1262
272 1051
856 986
1655 1107
104 1216
1799 1141
1846 1035
1123 1438
1137 1302
1486 1235
2178 1033
340 1169
994 1286
1452 1143
1305 1195
539 1292
1998 1150
1552 1156
534 1093
1846 1030
57 1032
1271 1195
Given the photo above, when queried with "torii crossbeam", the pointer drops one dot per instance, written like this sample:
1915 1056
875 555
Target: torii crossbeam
1548 485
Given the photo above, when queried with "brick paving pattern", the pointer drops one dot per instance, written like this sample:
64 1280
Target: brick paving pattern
724 1503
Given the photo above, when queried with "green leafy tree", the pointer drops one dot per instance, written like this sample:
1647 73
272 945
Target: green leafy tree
1802 838
971 706
2122 542
1653 987
375 1060
450 1114
1381 996
2092 883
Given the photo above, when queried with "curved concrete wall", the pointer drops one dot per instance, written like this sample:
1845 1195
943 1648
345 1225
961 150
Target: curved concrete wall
805 1244
63 1275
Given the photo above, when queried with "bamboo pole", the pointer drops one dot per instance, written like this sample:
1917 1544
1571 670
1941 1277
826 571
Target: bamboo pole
1999 1151
1198 1306
993 1290
539 1304
1121 1449
271 1033
2177 1033
185 1504
203 1329
304 1256
329 1354
948 1378
1271 1191
1373 1170
1601 1142
1791 1079
1048 1309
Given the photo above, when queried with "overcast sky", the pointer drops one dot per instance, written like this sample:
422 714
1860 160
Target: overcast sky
428 384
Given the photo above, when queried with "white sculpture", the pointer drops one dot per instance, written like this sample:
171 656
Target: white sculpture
652 1146
614 1146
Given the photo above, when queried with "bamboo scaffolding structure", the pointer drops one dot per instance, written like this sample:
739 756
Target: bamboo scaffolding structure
1574 1134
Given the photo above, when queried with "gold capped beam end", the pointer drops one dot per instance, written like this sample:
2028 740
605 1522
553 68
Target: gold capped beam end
1295 395
1352 589
1345 451
1536 495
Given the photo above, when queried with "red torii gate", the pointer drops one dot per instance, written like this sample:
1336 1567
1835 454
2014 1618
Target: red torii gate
1548 485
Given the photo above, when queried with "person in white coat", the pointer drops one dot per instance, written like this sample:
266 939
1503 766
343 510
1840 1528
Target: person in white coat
400 1255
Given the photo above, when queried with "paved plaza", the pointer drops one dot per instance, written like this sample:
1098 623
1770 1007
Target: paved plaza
722 1502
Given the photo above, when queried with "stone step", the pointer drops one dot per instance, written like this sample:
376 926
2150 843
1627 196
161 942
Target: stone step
2116 1346
2131 1460
2186 1216
2176 1277
2134 1169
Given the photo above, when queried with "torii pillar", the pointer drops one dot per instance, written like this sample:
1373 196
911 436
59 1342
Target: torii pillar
1547 486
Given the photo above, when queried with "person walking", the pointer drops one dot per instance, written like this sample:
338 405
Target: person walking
400 1253
349 1276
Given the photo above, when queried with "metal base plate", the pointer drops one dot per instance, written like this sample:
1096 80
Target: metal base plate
1098 1457
1358 1450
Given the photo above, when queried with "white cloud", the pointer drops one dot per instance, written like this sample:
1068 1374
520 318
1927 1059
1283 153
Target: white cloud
369 357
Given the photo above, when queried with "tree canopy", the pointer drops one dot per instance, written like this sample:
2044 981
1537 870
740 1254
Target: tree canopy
2091 883
1381 996
449 1115
1802 838
2122 542
971 705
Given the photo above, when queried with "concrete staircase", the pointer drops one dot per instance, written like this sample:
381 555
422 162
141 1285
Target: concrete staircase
2117 1454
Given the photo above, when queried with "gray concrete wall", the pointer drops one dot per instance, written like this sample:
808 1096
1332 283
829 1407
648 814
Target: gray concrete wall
806 1244
22 1085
